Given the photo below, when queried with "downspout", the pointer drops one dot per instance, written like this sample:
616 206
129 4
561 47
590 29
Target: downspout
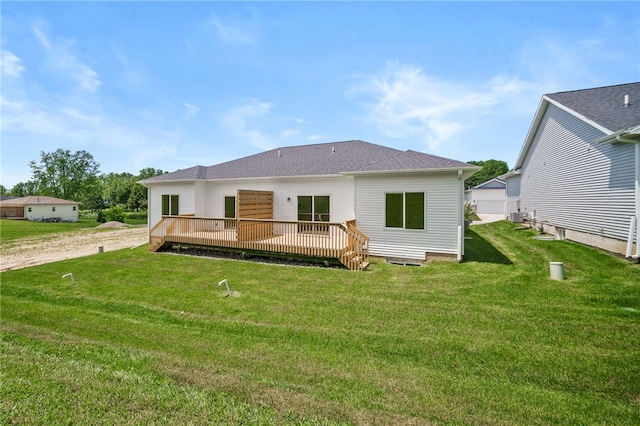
634 220
460 250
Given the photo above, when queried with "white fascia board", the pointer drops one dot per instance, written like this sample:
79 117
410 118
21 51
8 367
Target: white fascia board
465 170
510 174
533 128
630 135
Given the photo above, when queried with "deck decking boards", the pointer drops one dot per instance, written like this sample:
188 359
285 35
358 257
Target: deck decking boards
325 240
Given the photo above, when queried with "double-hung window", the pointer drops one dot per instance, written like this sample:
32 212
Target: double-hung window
405 210
170 205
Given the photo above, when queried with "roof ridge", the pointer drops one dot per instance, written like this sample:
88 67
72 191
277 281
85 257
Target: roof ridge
593 88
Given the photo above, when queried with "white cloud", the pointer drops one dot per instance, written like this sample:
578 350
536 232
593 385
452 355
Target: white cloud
65 64
190 111
230 34
242 123
11 64
402 101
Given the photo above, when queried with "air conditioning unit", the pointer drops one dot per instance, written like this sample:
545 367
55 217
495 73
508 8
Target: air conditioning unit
517 217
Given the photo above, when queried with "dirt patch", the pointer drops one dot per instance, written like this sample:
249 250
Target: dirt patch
112 224
25 252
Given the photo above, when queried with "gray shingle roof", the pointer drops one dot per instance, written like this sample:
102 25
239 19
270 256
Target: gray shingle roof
604 105
315 160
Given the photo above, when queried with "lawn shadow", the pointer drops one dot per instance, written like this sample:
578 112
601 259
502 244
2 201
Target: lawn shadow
477 249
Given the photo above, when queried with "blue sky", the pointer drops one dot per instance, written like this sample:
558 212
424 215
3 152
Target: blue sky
172 85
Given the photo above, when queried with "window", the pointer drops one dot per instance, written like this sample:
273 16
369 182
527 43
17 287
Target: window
29 209
404 210
53 209
313 208
170 205
230 207
74 208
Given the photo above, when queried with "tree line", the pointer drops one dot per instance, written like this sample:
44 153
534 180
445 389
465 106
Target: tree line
76 176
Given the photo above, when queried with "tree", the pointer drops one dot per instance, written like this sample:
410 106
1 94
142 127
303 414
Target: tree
66 175
490 169
117 187
24 189
3 191
138 197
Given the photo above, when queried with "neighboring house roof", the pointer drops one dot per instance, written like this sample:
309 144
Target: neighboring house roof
316 160
33 200
602 107
495 183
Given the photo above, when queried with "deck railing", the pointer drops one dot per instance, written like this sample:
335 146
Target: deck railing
314 239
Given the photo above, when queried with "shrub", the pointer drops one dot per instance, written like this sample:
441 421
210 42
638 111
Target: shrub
114 214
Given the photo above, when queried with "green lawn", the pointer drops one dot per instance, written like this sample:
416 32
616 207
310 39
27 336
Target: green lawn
150 338
12 229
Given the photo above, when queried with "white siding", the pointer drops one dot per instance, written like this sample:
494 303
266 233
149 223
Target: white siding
443 212
575 184
513 194
489 201
45 211
186 199
285 195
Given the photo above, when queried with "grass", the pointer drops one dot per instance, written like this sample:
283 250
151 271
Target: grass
151 338
14 229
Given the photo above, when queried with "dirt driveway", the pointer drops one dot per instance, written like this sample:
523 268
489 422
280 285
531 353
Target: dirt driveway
25 252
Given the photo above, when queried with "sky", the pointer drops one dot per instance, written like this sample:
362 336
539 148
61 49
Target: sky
171 85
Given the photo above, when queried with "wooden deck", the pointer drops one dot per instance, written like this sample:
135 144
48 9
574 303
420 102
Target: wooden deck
314 239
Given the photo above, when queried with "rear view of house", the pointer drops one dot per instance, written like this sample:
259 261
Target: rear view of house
40 209
577 173
340 199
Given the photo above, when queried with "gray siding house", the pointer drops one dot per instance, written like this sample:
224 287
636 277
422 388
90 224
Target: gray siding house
402 204
577 172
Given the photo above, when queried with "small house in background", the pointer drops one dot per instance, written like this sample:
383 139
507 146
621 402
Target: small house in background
577 175
488 197
40 209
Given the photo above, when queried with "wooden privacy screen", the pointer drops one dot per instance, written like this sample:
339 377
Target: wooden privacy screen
254 205
12 211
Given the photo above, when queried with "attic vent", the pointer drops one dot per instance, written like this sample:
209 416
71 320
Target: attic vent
626 101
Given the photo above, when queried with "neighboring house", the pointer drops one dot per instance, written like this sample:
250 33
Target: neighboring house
40 209
407 204
577 173
488 197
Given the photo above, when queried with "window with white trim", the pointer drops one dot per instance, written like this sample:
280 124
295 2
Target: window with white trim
405 210
170 205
